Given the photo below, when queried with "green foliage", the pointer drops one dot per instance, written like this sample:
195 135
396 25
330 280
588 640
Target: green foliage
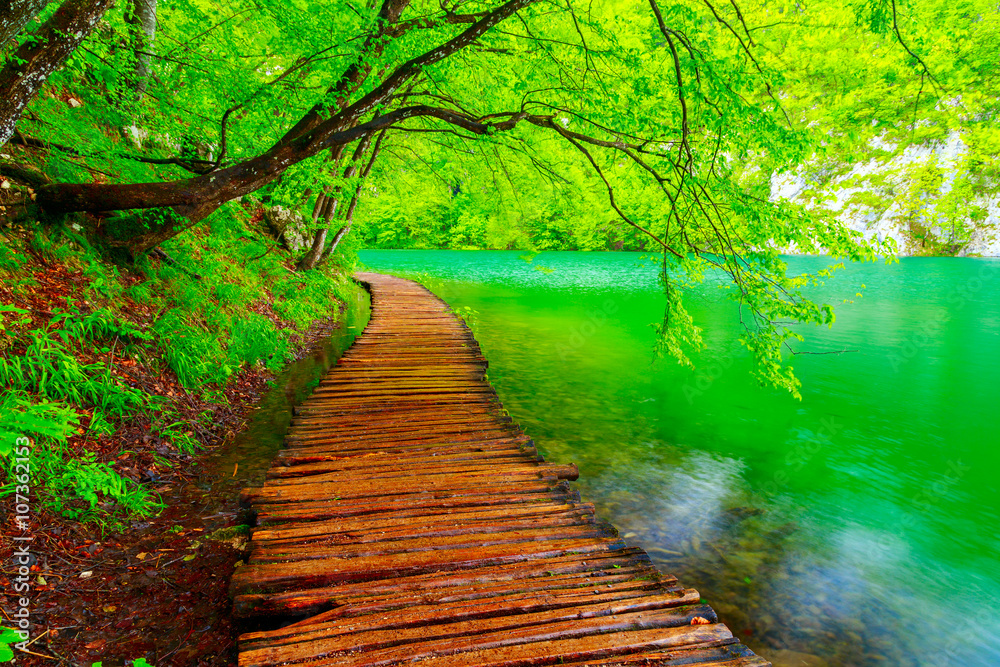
20 416
8 636
683 116
301 299
201 316
50 370
138 662
10 260
81 476
210 327
255 339
101 324
181 438
194 353
11 318
65 478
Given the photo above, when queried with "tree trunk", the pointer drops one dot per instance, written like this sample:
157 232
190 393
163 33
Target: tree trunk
326 212
142 15
317 253
323 210
341 233
37 58
349 215
14 15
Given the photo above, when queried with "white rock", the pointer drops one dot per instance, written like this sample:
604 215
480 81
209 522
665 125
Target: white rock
894 222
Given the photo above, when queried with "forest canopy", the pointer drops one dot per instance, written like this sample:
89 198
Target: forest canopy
523 124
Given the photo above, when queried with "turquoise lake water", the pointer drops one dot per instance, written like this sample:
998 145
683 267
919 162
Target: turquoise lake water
859 524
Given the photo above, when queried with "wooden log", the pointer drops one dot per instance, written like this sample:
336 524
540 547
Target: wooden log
461 469
593 599
296 467
404 444
356 635
412 504
458 432
528 481
724 653
545 644
319 572
389 521
422 449
532 575
286 552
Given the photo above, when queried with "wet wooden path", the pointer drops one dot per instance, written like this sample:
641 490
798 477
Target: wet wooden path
409 520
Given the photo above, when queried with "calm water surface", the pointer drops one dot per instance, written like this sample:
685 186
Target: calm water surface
858 525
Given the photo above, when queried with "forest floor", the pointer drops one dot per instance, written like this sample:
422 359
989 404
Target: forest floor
110 584
155 588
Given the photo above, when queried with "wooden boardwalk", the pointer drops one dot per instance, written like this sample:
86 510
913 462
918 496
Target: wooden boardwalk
410 520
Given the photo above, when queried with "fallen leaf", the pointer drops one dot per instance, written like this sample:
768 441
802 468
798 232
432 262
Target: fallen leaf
87 575
110 608
141 555
700 620
97 643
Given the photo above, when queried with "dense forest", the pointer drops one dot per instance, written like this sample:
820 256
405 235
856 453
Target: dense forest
185 185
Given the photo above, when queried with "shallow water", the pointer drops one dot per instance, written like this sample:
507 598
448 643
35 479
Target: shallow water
245 460
859 524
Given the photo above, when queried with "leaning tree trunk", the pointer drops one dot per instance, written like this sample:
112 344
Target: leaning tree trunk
50 46
326 207
142 16
14 15
349 215
178 205
316 253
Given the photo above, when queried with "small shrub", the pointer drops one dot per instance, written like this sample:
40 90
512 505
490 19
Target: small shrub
19 417
255 339
63 478
85 478
194 354
50 370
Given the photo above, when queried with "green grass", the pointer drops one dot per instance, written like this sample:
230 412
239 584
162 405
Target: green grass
222 305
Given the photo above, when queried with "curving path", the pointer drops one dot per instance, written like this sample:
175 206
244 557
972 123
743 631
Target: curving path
409 519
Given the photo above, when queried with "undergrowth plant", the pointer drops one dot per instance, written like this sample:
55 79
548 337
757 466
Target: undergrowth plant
202 315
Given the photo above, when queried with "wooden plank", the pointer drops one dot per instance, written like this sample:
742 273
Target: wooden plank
389 521
485 536
504 468
538 645
532 575
370 634
324 571
413 504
